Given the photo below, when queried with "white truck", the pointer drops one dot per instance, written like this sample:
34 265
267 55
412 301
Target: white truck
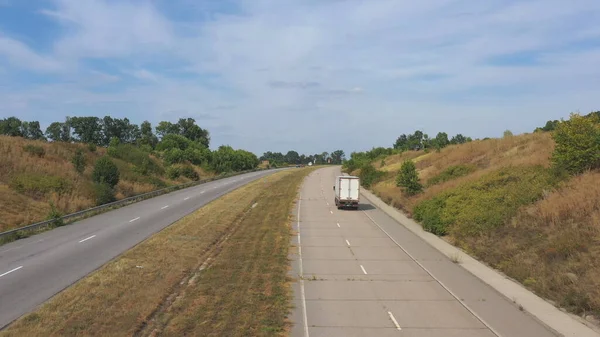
347 191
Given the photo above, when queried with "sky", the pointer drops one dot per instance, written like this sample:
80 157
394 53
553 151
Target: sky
303 75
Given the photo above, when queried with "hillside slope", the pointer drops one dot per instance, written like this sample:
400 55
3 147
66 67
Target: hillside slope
34 174
501 201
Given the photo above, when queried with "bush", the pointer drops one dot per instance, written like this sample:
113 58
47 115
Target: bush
408 178
137 156
577 144
173 172
477 207
91 147
34 150
507 134
104 194
79 161
190 173
450 173
56 216
39 184
369 175
173 156
429 213
106 172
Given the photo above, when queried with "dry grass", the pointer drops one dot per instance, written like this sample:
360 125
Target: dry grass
486 155
553 246
19 208
160 288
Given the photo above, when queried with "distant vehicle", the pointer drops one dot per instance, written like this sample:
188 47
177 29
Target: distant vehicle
347 191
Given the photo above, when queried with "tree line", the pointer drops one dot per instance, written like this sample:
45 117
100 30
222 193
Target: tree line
176 143
336 157
421 141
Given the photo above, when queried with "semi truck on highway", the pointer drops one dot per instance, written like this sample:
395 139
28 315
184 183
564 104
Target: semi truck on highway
347 191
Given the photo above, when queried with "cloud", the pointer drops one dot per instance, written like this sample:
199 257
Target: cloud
20 55
293 85
275 74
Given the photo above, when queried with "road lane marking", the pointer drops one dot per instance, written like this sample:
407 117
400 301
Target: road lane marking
363 269
348 242
10 271
394 320
302 292
202 192
331 212
136 219
338 224
435 278
327 204
91 237
165 207
187 198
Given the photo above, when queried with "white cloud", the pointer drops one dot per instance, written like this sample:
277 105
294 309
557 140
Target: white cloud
18 54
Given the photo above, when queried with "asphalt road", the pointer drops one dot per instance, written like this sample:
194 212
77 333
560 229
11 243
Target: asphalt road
34 269
364 274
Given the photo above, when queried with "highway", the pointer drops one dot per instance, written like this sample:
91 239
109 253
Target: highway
364 274
34 269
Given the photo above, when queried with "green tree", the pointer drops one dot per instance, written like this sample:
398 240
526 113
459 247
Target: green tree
459 139
507 134
191 131
337 157
147 136
54 131
31 130
292 157
577 144
106 172
78 161
408 178
87 129
11 126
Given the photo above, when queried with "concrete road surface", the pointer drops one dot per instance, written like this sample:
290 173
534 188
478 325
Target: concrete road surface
34 269
366 275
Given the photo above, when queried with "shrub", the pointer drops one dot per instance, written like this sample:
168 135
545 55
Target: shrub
485 204
173 172
577 144
106 172
450 173
78 161
173 156
137 156
104 193
91 147
34 150
190 173
39 184
507 134
369 175
55 215
408 178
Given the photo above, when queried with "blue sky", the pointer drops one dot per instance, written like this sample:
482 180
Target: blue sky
306 75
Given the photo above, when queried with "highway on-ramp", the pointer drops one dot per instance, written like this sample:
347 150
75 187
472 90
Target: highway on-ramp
364 274
34 269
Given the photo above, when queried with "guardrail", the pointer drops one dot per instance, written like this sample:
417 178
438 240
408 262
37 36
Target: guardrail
25 231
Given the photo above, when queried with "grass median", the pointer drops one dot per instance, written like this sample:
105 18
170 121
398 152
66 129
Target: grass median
221 271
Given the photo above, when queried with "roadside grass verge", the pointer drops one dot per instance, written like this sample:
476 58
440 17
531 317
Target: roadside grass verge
552 246
219 271
478 207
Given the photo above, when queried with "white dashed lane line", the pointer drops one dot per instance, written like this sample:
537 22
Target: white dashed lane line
89 238
10 271
167 206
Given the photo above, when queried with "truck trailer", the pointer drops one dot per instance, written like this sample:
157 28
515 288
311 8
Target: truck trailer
347 192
